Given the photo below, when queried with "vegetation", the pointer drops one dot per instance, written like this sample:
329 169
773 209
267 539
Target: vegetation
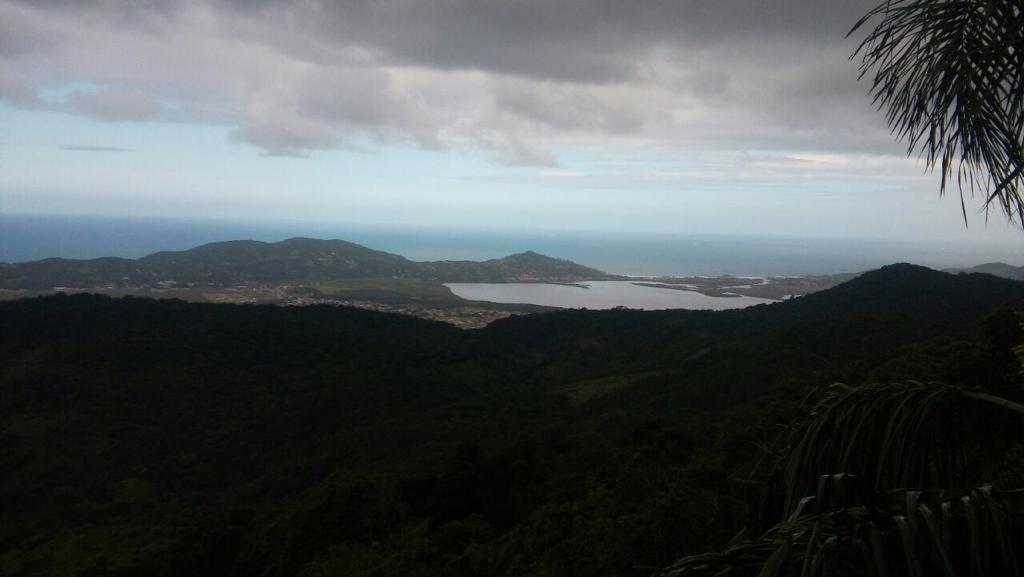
950 75
903 479
145 437
775 288
148 437
907 478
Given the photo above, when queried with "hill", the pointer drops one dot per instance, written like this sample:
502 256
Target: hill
1000 269
521 267
146 437
296 260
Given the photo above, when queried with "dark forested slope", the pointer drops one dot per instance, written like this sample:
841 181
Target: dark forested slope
147 437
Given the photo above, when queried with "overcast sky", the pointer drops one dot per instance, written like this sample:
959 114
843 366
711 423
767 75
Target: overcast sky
688 115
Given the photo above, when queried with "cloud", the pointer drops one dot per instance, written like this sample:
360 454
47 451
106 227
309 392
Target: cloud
20 33
15 90
515 153
571 108
515 79
280 131
115 105
575 40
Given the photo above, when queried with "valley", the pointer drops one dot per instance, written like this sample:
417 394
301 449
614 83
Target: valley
156 437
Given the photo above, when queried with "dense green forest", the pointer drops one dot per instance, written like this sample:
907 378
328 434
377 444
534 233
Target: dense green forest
145 437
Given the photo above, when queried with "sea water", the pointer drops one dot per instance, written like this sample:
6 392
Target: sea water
30 237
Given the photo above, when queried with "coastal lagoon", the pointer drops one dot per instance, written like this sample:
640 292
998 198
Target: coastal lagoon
598 295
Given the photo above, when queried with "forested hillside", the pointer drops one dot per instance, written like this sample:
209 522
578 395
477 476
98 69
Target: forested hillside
145 437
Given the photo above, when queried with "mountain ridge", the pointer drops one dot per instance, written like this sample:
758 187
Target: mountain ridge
297 259
1000 269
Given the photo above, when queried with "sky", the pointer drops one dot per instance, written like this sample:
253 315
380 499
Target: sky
694 116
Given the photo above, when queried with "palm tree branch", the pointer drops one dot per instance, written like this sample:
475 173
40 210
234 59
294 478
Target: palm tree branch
948 74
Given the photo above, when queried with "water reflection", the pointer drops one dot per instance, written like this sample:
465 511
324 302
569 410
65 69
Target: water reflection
598 295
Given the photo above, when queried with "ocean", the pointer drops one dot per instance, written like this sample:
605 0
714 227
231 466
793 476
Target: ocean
31 237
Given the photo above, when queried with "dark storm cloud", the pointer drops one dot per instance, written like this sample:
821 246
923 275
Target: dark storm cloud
19 34
565 40
516 77
568 109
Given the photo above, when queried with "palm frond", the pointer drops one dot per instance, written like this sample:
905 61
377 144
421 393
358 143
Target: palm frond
949 75
908 532
884 480
890 435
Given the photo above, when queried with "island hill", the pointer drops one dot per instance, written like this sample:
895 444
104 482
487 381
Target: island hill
999 269
293 261
298 271
305 271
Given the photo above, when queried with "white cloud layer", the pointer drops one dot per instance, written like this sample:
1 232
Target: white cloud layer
515 78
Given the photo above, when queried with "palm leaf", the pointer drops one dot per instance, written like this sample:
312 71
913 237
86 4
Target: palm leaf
949 75
894 435
907 532
884 481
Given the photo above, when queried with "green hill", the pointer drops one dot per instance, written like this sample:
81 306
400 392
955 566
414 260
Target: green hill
1000 269
524 266
158 437
296 260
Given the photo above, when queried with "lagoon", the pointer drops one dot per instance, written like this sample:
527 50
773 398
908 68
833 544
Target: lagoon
598 295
